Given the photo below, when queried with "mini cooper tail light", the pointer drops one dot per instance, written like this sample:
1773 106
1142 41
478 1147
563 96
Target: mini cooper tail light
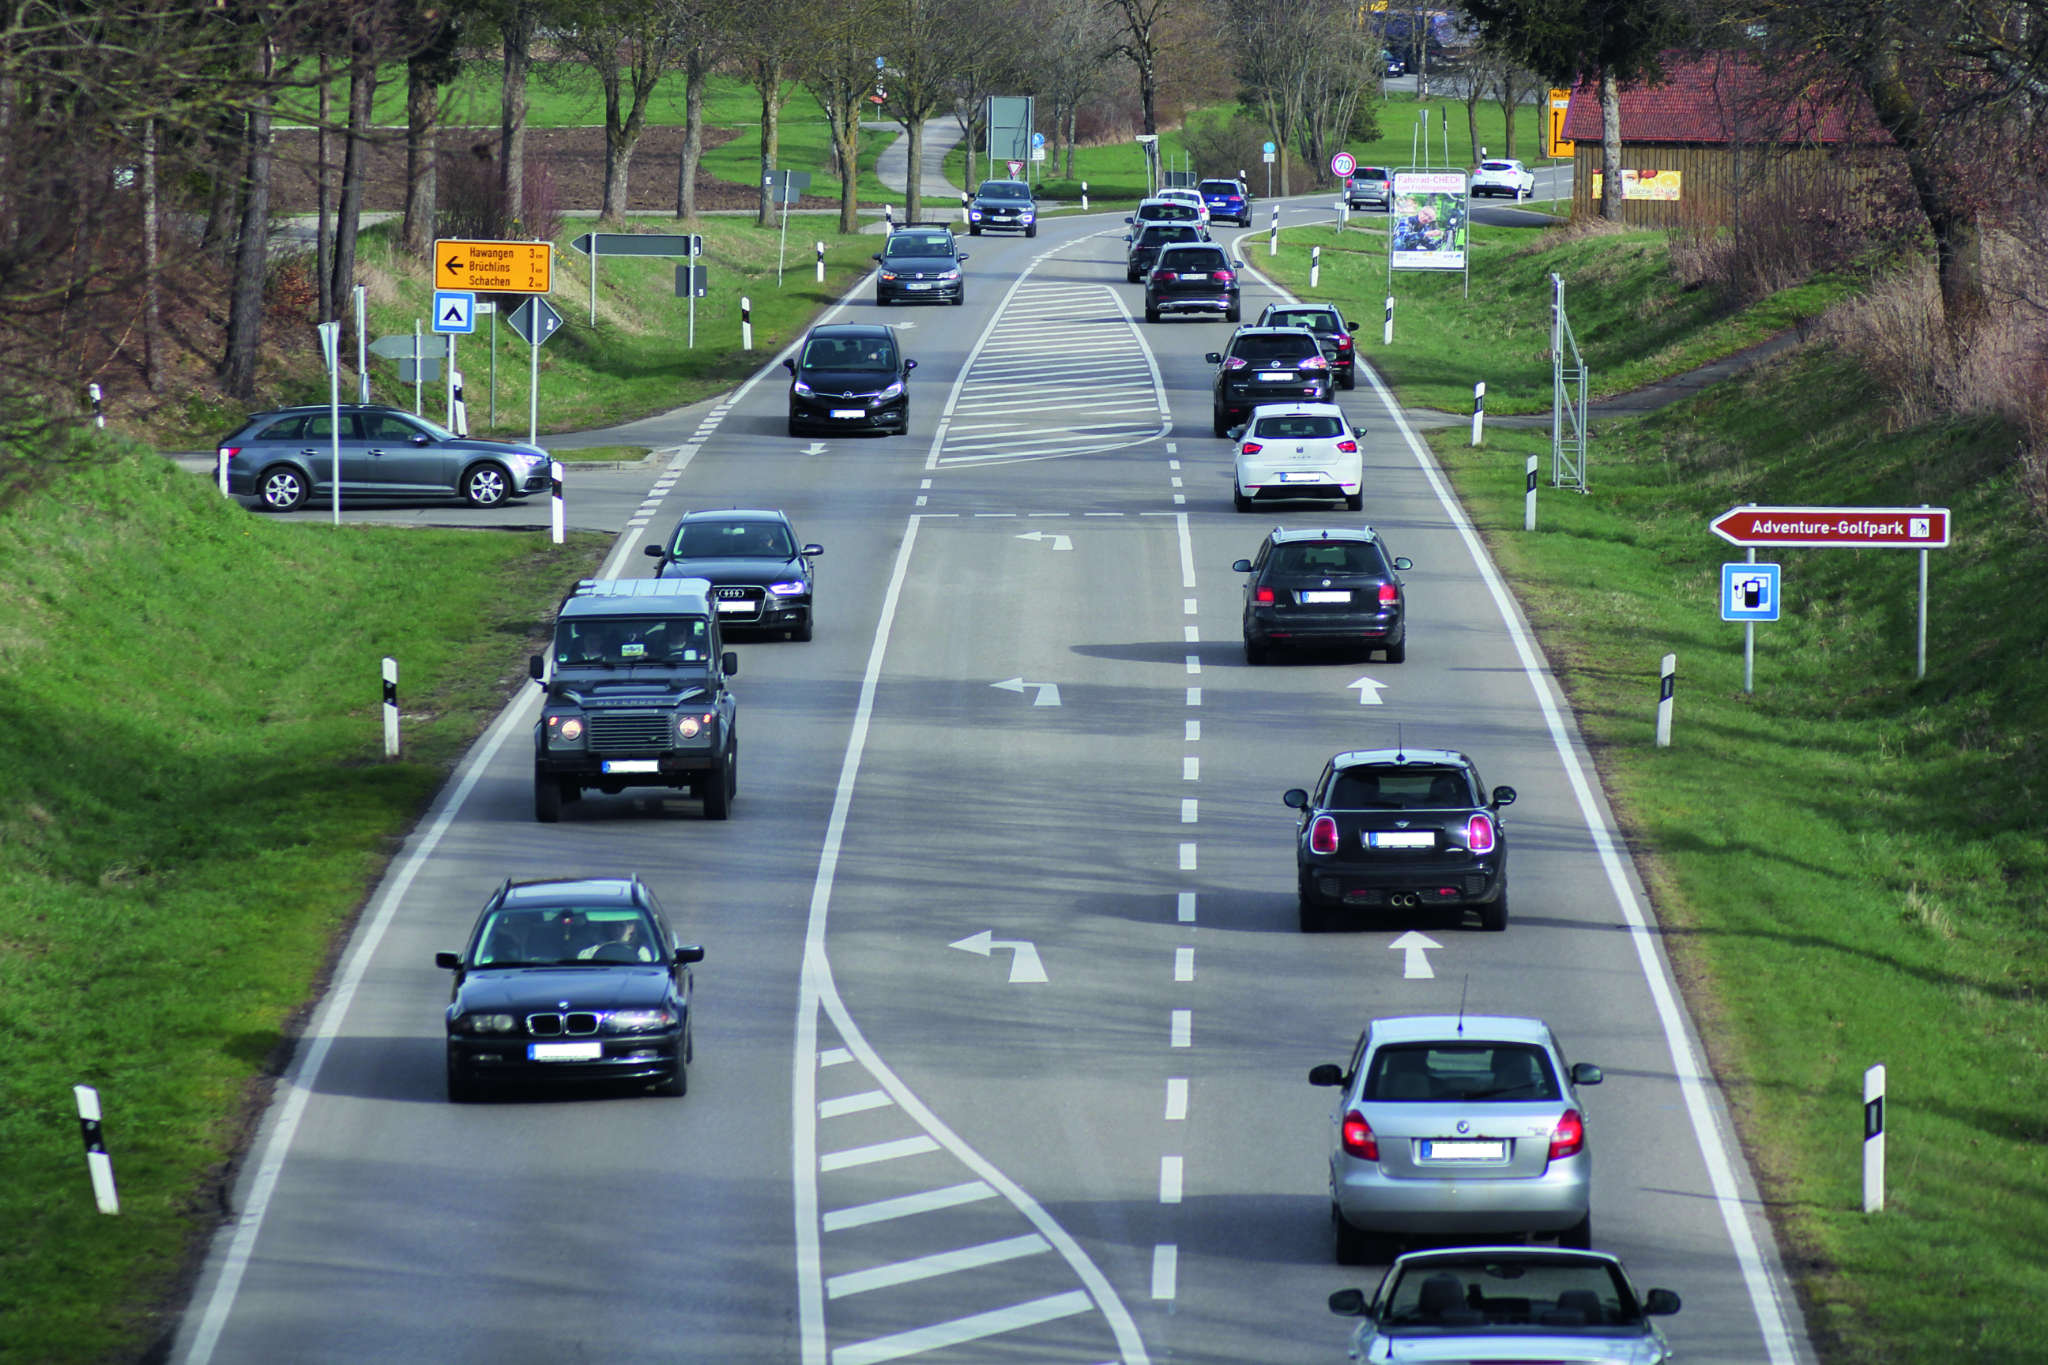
1389 594
1348 447
1263 596
1358 1138
1252 447
1569 1136
1479 834
1322 835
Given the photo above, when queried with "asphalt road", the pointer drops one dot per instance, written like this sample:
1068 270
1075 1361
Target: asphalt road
1005 1022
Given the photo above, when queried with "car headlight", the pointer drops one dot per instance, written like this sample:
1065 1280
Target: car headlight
691 726
893 391
800 387
1027 215
565 729
486 1023
888 274
785 589
950 275
638 1021
974 215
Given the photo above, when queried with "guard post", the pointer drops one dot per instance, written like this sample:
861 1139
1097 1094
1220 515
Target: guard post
1667 684
390 707
97 1162
1873 1139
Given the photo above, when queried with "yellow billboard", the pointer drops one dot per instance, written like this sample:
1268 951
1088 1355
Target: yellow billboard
1662 185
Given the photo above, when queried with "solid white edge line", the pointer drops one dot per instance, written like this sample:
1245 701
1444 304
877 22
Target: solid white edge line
1768 1296
816 989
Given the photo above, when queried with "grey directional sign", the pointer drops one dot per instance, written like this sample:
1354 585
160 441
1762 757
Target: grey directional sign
401 348
640 244
692 281
419 372
787 187
535 321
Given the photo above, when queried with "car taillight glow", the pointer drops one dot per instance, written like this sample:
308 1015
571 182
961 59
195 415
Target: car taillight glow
1322 835
1235 362
1314 362
1225 276
1348 447
1389 594
1164 275
1358 1138
1262 595
1252 447
1343 343
1569 1135
1479 834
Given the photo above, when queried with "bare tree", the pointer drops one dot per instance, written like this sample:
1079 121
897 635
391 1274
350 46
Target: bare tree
700 45
426 71
927 40
838 66
1068 65
628 45
1302 63
1141 29
768 36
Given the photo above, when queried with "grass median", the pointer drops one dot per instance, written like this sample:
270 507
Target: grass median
1849 863
193 801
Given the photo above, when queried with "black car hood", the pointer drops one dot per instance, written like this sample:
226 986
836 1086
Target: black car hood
929 265
848 381
767 570
628 684
523 990
1017 204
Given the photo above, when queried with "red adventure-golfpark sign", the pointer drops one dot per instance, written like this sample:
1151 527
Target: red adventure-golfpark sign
1846 528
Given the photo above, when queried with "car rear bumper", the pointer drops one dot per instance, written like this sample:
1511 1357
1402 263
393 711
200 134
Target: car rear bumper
1191 303
1375 1202
1300 627
1332 884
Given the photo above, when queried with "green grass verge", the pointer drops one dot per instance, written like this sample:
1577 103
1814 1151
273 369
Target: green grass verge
178 854
588 454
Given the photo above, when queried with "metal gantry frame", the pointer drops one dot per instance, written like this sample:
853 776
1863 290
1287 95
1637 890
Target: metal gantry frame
1568 387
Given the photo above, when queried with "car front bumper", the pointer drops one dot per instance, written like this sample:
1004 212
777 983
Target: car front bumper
507 1061
919 291
675 769
988 224
1376 1202
819 410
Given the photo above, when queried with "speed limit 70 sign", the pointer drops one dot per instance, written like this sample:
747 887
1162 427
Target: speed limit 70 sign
1343 163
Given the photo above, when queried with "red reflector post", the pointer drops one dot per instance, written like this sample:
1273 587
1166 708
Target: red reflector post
1359 1140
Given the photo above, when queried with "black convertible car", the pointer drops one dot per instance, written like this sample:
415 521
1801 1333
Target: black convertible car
570 981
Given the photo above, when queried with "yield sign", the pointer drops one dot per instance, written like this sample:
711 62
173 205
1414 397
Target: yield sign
454 311
1848 528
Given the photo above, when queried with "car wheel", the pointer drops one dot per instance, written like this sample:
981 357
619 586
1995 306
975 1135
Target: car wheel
547 799
883 301
1151 315
1221 426
485 485
1355 502
1256 654
1397 652
1310 914
960 299
1031 231
281 489
1493 917
1579 1236
1232 314
803 632
718 788
795 427
461 1090
1239 500
678 1085
1131 276
1348 379
973 231
1355 1246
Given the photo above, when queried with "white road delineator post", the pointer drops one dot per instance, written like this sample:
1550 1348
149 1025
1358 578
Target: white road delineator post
821 263
390 707
1273 238
1873 1139
1529 496
556 509
1479 413
221 469
1315 266
1084 196
1667 683
96 1159
746 323
1388 339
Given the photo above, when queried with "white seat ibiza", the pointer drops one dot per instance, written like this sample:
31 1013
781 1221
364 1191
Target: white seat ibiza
1298 450
1192 198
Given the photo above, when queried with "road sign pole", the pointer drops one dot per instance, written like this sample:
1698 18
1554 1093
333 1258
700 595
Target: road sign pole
1921 670
782 251
362 348
330 351
417 399
494 368
593 279
1749 645
450 422
533 389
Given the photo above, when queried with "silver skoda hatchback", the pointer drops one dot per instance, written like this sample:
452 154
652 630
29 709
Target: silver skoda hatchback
1448 1127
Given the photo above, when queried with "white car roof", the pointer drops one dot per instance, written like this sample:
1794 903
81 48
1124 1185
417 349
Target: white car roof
1178 191
1296 410
1444 1028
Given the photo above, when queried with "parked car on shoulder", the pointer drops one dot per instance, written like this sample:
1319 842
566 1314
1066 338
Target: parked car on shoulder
285 458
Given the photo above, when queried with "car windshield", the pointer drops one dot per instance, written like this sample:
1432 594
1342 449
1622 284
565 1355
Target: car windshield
564 936
1168 213
876 353
613 641
1005 189
1169 232
1460 1073
1301 426
903 245
1328 559
733 540
1261 349
1406 786
1315 319
1508 1292
1225 187
1196 259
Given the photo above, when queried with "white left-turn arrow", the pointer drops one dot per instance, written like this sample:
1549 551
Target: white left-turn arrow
1048 693
1416 947
1024 963
1059 542
1368 691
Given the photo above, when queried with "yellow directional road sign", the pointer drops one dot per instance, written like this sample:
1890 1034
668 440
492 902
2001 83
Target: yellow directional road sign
494 267
1554 141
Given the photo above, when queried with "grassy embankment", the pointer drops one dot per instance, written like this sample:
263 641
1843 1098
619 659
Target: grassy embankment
1849 863
193 801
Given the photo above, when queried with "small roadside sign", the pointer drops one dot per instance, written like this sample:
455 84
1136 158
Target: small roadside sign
1845 528
1038 139
1749 592
454 311
692 282
494 267
1016 168
1554 144
1269 147
1266 157
404 347
423 371
535 321
639 244
1343 164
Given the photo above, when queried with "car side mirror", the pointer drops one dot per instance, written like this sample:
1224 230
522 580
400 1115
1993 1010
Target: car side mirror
1585 1073
1241 566
1348 1303
1214 357
1350 326
909 365
729 663
420 438
536 667
448 962
689 952
1294 798
1238 265
1403 563
1328 1074
876 257
1130 220
1503 796
1660 1303
810 550
1237 433
963 256
655 552
789 362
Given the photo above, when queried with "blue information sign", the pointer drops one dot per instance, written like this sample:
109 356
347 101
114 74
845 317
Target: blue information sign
454 311
1749 592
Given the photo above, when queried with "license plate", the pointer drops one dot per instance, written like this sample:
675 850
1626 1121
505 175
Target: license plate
735 606
564 1052
1326 597
849 412
1403 838
1276 374
1312 476
1464 1151
632 765
917 286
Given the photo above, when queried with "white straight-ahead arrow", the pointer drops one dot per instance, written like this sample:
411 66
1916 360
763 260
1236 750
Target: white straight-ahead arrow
1059 542
1416 946
1024 963
1368 691
1048 693
814 448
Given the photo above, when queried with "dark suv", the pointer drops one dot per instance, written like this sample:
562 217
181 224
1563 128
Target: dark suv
284 458
1005 205
760 573
1368 188
1267 365
1227 199
1333 334
1192 278
1147 240
849 376
920 265
1327 586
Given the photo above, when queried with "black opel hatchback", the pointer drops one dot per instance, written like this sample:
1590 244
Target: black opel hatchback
849 376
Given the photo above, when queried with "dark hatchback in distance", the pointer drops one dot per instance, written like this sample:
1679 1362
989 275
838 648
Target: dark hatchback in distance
1002 205
1192 277
760 573
1267 365
1227 199
1393 829
1147 241
849 376
284 459
920 265
570 982
1324 586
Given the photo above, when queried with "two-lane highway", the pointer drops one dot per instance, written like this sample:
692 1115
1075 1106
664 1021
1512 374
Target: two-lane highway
1005 1022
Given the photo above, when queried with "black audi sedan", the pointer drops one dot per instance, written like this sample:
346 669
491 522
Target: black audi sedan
1004 205
849 376
1395 828
1324 586
760 573
1267 365
285 458
920 265
573 981
1192 277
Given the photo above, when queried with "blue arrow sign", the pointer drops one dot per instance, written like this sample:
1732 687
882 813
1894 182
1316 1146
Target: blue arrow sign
1038 139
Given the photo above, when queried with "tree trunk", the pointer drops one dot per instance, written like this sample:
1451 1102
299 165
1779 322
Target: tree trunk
768 79
323 230
252 256
1610 148
1509 96
512 118
849 162
227 160
421 153
696 70
362 87
913 174
618 157
1073 119
1148 93
152 343
1472 98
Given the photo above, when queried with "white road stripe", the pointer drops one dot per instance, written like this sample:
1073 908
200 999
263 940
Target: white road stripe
1183 964
1187 555
1187 811
930 1267
1195 696
1194 663
1186 909
1187 606
1191 766
878 1151
1180 1030
1169 1179
853 1104
1193 634
1194 730
834 1056
1187 857
1176 1099
1165 1270
882 1210
961 1330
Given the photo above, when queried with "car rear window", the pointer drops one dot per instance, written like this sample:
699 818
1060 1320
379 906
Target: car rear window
1168 213
1315 319
733 540
1193 258
1300 426
1269 347
1169 232
1328 559
1220 187
1496 165
1460 1073
1407 786
1370 173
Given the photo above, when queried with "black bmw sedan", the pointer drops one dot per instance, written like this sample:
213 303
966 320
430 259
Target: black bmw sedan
570 981
760 574
849 376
